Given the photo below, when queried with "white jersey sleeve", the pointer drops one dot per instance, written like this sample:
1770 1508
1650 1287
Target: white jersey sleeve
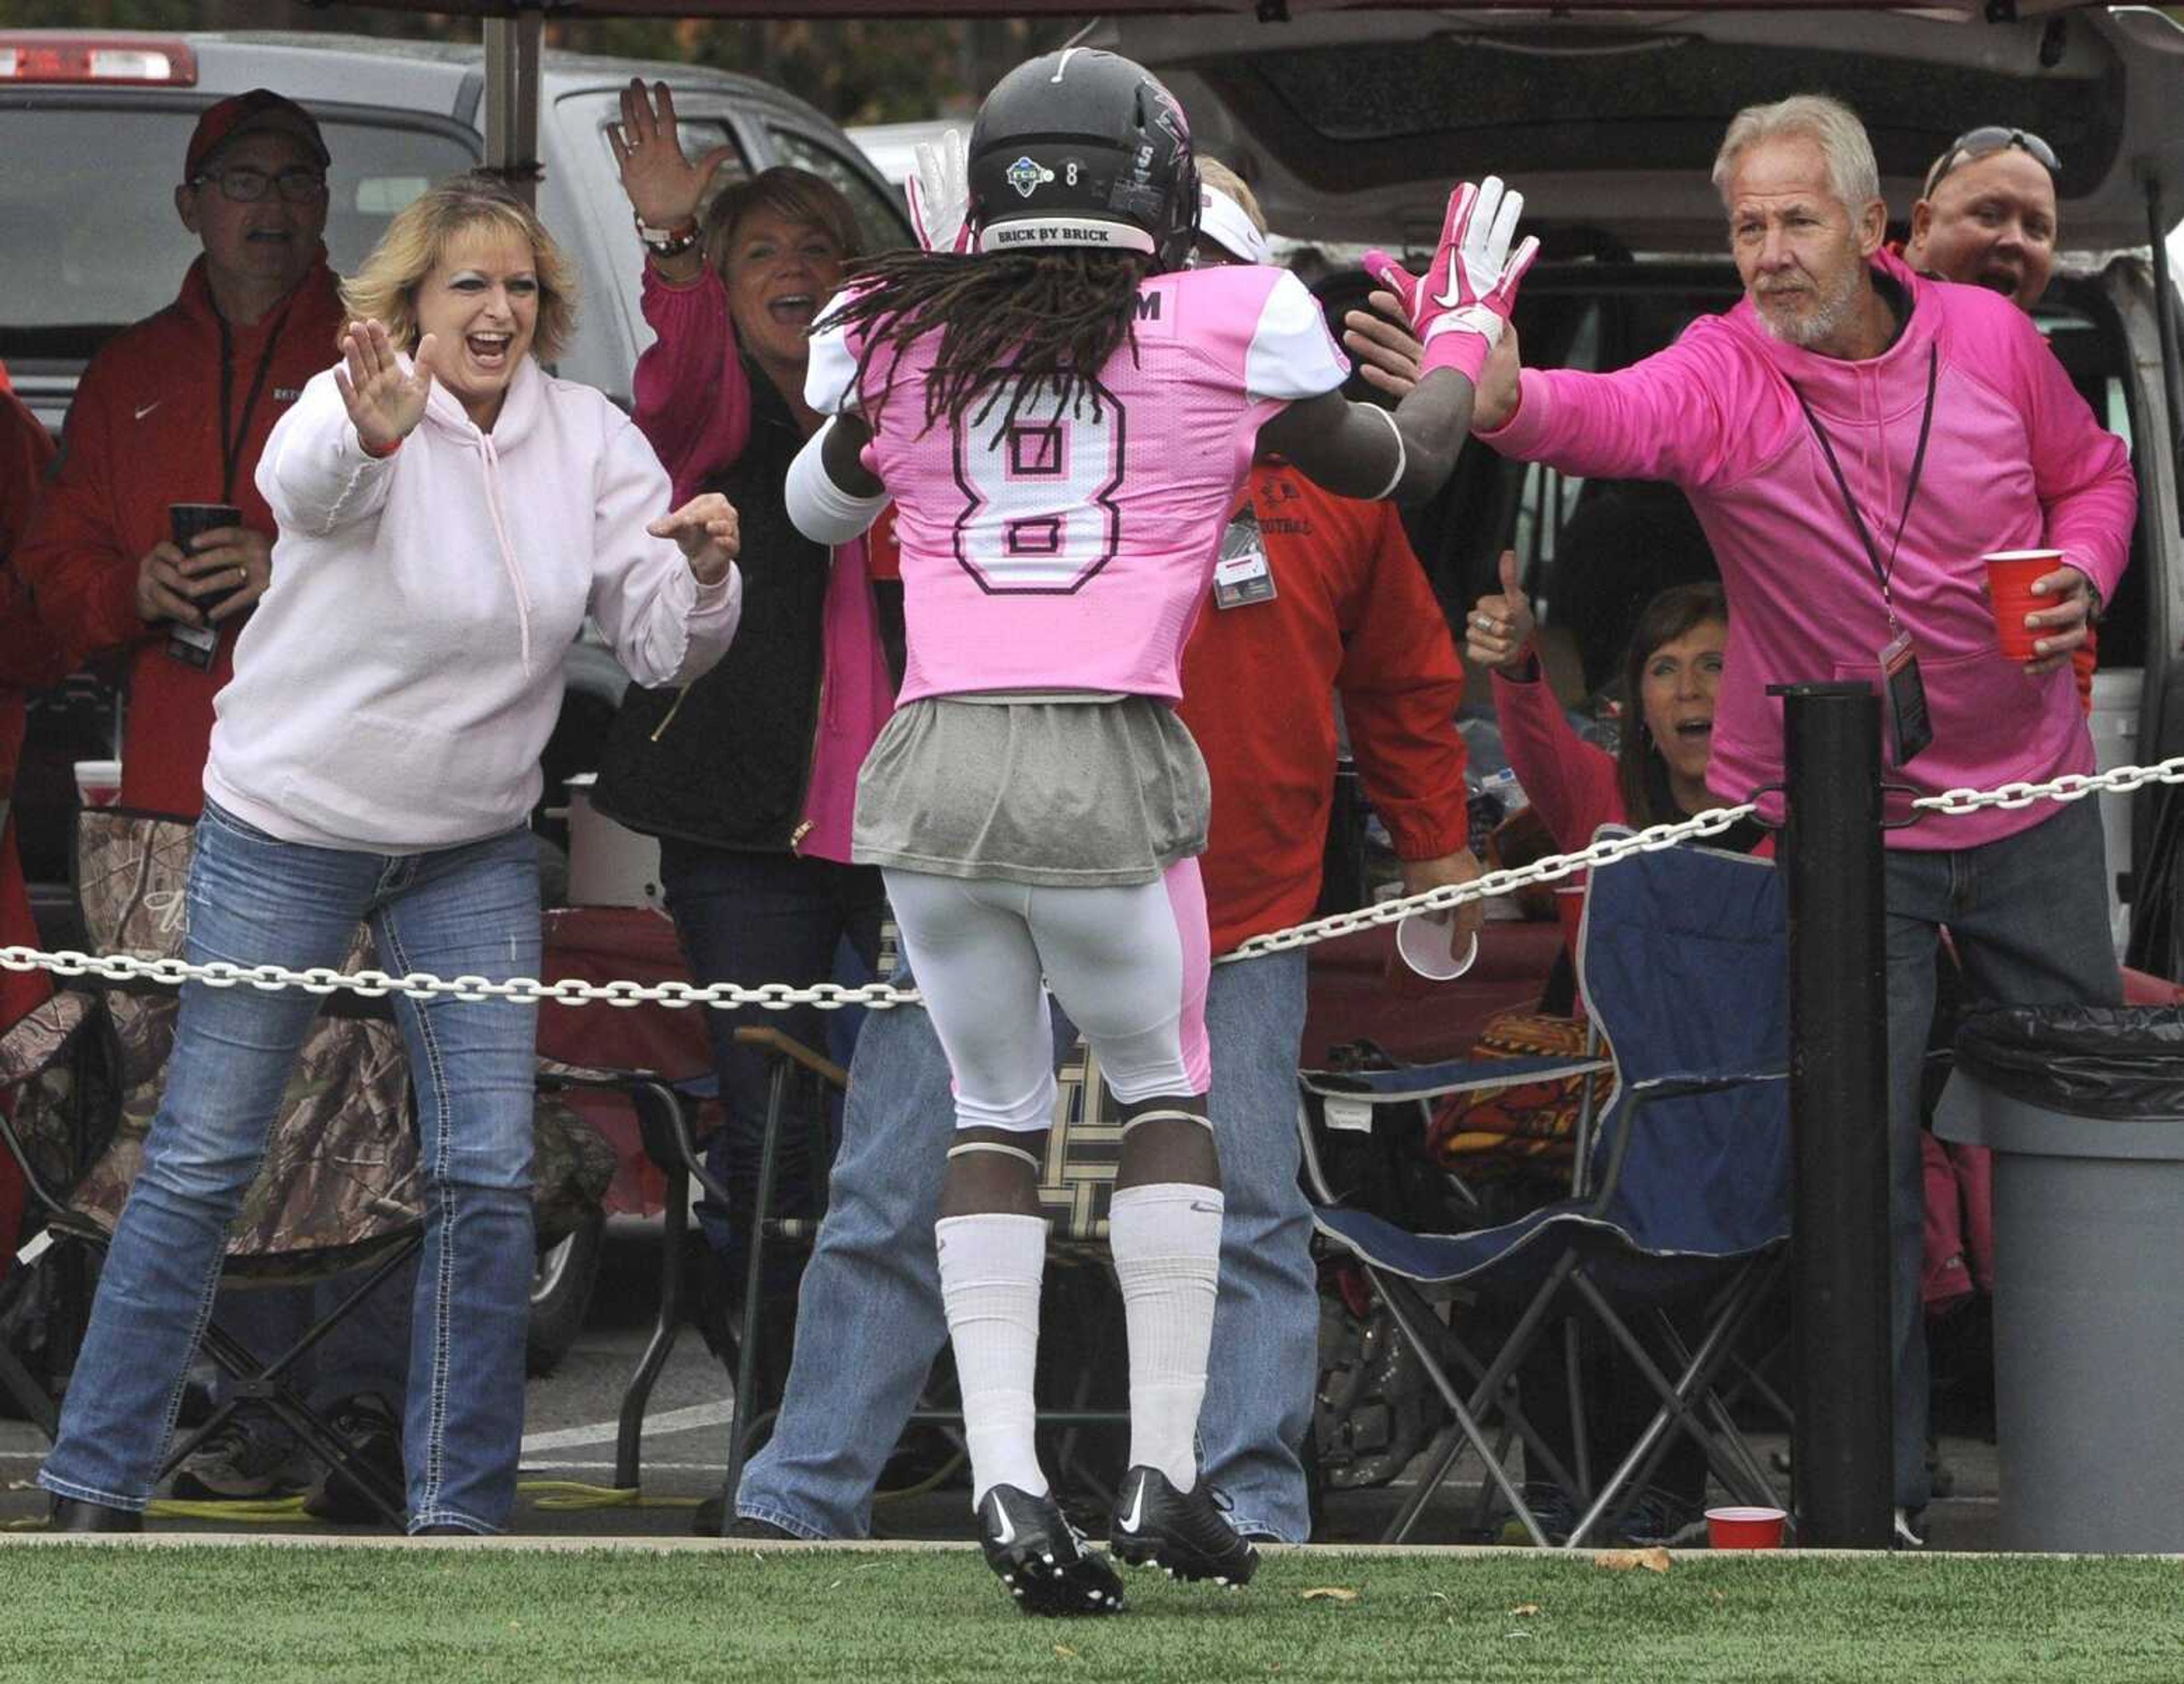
1292 355
830 379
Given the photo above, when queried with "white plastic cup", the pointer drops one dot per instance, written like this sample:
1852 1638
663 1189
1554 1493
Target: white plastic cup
98 782
1428 944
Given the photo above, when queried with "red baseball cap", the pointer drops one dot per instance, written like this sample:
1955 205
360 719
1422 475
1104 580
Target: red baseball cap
261 110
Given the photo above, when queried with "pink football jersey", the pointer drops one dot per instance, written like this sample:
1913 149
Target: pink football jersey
1072 550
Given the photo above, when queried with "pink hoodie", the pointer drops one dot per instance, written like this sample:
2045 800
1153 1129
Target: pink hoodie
2016 461
693 403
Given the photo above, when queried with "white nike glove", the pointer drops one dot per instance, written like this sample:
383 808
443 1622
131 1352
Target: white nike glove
939 194
1460 305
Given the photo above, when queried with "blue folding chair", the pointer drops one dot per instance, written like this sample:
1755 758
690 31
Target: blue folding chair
1681 1197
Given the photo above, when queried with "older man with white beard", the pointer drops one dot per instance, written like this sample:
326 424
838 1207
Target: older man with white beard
1853 438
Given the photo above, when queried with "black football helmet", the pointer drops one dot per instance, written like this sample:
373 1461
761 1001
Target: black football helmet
1082 148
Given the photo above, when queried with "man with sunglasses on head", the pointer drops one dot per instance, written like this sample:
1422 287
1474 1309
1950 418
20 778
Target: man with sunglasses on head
176 409
1987 215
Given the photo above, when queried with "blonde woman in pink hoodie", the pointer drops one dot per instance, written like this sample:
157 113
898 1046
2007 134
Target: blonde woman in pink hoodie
449 514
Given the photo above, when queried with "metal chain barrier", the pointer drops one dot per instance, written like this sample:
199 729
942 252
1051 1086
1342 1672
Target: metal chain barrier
121 968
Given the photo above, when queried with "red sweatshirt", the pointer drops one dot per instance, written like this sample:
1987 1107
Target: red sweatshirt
28 660
1352 614
143 432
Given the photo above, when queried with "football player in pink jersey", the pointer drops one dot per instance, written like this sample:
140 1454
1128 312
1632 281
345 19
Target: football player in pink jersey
1063 415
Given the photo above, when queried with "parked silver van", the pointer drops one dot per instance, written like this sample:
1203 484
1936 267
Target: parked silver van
1351 124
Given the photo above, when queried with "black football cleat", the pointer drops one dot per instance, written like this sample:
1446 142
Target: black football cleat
1184 1532
1042 1558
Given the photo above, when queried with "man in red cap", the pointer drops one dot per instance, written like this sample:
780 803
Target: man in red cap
176 410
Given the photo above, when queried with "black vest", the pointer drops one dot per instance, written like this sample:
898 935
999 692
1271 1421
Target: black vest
727 761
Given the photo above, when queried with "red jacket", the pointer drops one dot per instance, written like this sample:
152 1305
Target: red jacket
27 657
28 660
144 432
1353 614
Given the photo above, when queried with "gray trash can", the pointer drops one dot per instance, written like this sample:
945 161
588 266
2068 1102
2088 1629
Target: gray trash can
2084 1109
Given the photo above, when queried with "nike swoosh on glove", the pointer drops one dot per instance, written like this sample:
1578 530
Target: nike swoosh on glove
1460 305
939 193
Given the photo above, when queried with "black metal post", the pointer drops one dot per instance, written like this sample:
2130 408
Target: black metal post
1842 1449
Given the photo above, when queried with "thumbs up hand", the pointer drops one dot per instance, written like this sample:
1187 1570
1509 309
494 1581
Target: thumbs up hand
1498 632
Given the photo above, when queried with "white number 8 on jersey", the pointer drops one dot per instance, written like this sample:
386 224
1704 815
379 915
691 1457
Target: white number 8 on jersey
1040 515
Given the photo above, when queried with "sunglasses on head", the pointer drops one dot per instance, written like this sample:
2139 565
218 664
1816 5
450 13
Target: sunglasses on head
1977 143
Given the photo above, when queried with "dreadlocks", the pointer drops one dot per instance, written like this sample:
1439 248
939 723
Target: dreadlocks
1018 321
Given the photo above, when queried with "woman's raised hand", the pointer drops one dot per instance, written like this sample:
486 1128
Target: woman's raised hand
664 187
707 530
385 399
1498 631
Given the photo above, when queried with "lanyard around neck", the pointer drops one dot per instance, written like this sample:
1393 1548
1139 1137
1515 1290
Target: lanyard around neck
1882 571
233 436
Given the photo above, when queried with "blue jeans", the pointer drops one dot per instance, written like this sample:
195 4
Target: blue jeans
870 1322
255 900
2029 918
752 918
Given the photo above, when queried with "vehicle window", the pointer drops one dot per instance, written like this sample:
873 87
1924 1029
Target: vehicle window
1548 497
2091 351
880 221
698 135
88 233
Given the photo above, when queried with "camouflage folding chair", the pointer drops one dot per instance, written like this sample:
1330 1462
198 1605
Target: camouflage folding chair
339 1192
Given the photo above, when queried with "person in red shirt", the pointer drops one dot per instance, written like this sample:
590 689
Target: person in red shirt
28 657
1321 597
176 410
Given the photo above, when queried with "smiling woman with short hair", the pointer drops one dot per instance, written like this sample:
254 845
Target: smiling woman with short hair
749 777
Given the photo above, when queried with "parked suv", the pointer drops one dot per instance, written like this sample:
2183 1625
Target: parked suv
1351 125
93 128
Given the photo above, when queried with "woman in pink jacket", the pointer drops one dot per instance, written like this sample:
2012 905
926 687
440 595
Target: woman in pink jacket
748 777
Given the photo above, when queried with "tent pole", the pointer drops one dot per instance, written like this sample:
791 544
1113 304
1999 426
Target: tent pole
511 93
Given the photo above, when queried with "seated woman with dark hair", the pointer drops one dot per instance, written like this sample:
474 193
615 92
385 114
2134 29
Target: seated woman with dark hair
1657 776
1670 677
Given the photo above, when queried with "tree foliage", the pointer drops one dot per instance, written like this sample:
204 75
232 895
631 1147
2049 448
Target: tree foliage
859 71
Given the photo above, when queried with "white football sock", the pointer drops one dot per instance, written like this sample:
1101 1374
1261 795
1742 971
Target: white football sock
1166 1240
990 1268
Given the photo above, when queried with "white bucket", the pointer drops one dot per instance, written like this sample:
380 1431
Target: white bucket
609 865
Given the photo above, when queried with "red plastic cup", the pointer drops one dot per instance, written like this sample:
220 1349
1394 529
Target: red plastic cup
1745 1528
2010 574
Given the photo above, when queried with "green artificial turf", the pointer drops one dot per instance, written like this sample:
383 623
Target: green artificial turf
441 1615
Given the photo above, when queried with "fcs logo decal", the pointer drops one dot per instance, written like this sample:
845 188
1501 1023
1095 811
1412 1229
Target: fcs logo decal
1027 177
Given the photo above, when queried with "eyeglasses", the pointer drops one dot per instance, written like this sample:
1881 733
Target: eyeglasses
1976 143
245 186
